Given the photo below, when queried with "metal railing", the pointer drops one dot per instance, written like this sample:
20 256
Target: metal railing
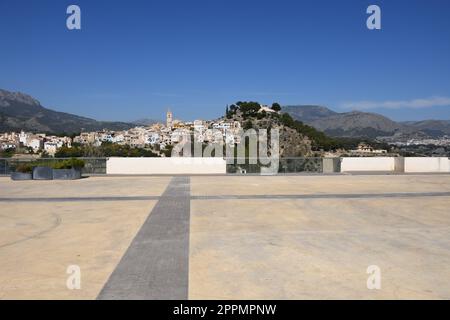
98 165
285 165
92 165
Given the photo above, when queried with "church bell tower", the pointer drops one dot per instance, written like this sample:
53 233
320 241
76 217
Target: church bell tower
169 119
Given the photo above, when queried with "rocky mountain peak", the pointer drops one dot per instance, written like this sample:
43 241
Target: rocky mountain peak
7 97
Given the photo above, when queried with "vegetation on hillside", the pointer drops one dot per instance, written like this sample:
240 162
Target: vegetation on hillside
247 113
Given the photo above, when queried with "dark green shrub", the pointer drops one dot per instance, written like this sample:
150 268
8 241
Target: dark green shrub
24 168
76 163
69 164
276 106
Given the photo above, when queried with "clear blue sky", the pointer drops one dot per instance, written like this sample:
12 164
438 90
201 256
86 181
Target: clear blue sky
133 59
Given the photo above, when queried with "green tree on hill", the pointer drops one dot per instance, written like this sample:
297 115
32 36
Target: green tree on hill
249 109
276 106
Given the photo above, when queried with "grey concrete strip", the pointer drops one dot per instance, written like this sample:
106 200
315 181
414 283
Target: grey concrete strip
156 265
75 199
324 196
237 197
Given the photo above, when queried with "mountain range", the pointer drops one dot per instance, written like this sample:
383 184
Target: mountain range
19 111
357 124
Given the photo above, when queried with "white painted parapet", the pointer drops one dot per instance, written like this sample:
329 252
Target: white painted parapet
396 164
181 165
170 165
416 164
368 164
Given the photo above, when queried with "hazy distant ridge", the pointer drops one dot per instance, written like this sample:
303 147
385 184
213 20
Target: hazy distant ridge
363 124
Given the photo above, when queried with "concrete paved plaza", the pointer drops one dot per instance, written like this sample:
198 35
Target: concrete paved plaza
226 237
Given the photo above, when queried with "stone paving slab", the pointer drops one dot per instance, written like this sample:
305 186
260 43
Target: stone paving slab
39 241
317 184
319 248
87 187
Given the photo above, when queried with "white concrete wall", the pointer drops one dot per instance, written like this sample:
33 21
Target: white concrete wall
427 164
368 164
165 166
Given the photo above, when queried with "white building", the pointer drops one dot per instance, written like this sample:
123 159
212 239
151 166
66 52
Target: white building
364 148
23 137
51 147
35 143
266 109
153 138
5 146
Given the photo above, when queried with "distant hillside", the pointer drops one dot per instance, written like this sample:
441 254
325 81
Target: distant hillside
434 128
308 113
146 122
19 111
358 124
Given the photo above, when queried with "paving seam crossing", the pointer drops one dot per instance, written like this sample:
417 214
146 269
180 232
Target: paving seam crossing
321 196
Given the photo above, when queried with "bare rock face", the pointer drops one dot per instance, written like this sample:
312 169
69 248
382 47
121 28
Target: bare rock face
6 97
293 144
